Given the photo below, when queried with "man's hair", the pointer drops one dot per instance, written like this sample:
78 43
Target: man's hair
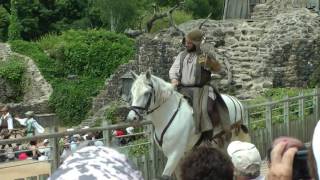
206 163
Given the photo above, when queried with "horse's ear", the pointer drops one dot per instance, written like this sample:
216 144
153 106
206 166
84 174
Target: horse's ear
148 74
134 75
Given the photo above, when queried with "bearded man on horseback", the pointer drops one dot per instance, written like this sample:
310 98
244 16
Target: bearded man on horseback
191 75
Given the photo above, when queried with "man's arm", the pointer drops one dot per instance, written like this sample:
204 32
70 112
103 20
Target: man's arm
174 72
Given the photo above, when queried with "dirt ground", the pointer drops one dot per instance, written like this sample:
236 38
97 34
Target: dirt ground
21 169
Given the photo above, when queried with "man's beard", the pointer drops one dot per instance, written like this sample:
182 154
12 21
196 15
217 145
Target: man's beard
193 49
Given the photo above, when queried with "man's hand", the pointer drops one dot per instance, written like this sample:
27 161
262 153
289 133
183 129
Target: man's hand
281 162
174 82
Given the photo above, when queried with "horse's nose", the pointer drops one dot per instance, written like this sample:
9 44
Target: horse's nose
131 116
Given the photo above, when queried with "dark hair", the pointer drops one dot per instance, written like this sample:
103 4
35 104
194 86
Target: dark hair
206 163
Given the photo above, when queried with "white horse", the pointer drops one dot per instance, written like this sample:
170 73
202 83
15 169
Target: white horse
171 116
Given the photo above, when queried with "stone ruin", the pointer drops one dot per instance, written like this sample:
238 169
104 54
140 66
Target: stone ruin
36 90
277 47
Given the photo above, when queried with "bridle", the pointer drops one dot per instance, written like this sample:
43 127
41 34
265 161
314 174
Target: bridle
145 109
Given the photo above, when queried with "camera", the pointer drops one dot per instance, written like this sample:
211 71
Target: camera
300 165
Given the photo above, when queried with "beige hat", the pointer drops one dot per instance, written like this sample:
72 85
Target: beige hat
29 113
196 36
245 157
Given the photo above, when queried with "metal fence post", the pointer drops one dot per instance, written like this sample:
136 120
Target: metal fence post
316 103
152 152
55 155
301 115
106 134
286 114
268 116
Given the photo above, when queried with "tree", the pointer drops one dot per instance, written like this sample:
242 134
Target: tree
201 8
14 30
118 15
4 23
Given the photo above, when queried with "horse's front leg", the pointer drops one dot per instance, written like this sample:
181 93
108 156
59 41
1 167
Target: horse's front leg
172 163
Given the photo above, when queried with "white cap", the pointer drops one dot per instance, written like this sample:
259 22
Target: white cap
70 129
46 141
130 130
243 155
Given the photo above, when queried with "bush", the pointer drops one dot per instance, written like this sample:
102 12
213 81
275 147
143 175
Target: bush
12 71
90 56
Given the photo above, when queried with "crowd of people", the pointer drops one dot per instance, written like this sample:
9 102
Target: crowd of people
288 159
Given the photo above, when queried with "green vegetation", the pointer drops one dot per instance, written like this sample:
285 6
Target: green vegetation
14 28
12 71
140 146
76 64
257 115
110 114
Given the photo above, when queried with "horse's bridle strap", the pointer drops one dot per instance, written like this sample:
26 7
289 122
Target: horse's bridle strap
160 141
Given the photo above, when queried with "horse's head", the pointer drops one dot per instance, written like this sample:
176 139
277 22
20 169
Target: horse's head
143 94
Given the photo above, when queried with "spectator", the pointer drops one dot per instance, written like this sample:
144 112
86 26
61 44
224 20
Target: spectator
246 160
93 163
206 163
6 124
31 124
45 150
119 140
281 167
299 166
33 150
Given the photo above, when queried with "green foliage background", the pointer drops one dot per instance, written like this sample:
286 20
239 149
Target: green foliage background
76 64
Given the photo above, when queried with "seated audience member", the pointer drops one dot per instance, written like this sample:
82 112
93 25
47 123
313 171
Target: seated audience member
299 166
91 163
246 160
45 150
206 163
33 150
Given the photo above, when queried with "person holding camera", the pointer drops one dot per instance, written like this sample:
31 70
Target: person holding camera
288 160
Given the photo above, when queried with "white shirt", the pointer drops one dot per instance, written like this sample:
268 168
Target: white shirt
37 126
188 72
9 119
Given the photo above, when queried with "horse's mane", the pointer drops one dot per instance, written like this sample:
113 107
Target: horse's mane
163 88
